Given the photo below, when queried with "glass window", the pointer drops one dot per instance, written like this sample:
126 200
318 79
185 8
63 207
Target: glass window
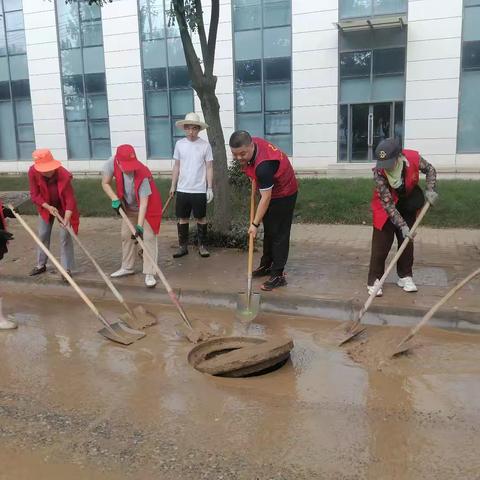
368 8
248 45
277 96
355 64
388 61
469 105
14 21
471 56
83 79
263 69
276 13
277 42
17 136
16 42
249 71
247 14
168 95
249 99
278 69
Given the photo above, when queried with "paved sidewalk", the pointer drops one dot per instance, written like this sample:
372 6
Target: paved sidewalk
328 263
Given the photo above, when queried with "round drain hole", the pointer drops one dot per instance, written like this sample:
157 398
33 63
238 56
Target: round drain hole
240 356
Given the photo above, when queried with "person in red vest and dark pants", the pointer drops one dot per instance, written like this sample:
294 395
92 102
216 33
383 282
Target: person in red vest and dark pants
397 198
271 169
138 195
52 192
5 237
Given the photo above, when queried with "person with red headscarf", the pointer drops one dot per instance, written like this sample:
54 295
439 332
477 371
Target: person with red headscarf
139 197
52 193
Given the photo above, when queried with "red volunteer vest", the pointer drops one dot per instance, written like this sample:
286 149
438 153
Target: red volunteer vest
285 183
380 216
154 209
64 178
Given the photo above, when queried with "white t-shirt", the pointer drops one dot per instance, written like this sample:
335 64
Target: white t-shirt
193 157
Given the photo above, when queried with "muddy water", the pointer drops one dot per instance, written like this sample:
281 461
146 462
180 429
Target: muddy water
74 405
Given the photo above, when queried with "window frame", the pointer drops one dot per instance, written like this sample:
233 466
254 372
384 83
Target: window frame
167 34
12 100
263 82
87 120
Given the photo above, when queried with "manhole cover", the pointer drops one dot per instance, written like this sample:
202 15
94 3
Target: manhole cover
240 356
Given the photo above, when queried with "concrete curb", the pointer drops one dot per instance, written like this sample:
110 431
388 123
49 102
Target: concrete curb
330 308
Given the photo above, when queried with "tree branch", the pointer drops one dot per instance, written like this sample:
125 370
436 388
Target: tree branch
201 29
193 63
212 37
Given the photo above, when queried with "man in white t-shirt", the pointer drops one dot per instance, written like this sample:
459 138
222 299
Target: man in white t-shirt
192 180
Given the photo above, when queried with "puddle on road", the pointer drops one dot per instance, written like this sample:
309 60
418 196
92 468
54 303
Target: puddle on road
328 409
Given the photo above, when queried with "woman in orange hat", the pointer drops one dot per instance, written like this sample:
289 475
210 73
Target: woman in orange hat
52 192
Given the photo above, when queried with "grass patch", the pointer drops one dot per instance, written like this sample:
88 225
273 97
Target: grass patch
330 201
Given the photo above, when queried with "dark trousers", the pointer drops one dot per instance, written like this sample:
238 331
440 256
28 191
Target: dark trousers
382 242
277 224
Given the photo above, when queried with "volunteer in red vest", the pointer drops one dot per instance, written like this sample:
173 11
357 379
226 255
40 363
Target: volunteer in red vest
275 179
5 237
52 192
138 195
397 198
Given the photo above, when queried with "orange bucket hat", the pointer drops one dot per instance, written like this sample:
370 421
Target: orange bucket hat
44 161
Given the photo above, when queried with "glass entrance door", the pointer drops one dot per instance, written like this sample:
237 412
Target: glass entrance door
363 126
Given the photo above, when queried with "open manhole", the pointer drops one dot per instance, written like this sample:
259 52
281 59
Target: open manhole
240 356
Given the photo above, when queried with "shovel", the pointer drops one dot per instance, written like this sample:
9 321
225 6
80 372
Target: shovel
117 332
139 317
405 344
354 327
193 335
248 304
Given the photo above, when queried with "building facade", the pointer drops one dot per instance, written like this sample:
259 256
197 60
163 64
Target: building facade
326 80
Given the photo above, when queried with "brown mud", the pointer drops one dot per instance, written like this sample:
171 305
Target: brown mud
73 405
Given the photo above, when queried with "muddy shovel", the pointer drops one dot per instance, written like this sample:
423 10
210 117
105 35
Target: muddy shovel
354 328
405 344
192 334
117 332
248 304
139 317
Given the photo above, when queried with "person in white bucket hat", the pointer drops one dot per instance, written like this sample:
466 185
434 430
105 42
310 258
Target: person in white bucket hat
192 180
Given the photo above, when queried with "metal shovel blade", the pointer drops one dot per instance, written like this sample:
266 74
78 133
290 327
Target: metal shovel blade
351 333
247 310
141 318
120 332
401 349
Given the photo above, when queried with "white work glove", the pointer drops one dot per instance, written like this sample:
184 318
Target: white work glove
406 232
209 195
431 196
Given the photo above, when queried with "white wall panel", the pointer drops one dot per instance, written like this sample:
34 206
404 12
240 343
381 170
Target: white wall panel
45 84
433 71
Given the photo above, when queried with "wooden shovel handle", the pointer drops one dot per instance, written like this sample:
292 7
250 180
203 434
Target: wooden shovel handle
250 243
70 280
380 283
434 309
109 283
163 279
167 203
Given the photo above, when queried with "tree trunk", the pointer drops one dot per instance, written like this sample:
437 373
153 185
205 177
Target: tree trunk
211 112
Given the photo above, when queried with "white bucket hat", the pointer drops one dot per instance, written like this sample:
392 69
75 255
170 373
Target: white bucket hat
191 119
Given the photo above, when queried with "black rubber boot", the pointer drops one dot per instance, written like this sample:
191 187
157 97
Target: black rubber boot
202 238
182 229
